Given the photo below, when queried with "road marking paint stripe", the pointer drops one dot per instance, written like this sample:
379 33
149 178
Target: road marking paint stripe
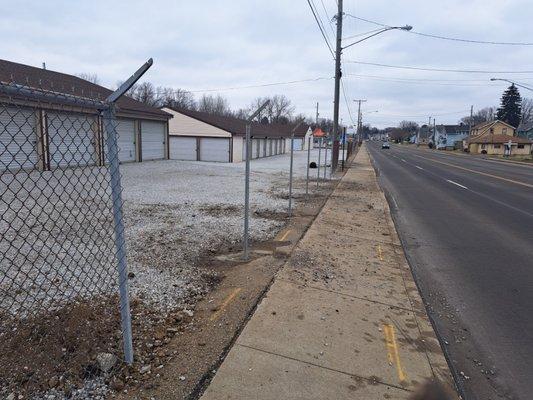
455 183
477 172
380 254
392 350
403 160
223 306
419 167
281 239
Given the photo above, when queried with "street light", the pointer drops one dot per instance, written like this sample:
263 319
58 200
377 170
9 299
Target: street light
514 83
389 28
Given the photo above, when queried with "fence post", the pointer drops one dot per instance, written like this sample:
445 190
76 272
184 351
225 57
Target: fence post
120 243
318 165
326 159
290 174
308 160
247 192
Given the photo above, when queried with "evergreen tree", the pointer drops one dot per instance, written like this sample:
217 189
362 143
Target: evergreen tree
510 110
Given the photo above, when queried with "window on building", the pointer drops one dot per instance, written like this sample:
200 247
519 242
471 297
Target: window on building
491 130
521 146
483 146
504 131
497 146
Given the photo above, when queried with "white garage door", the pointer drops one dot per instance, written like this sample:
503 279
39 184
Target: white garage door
126 140
297 144
214 149
269 147
255 148
261 147
152 140
18 139
182 148
71 139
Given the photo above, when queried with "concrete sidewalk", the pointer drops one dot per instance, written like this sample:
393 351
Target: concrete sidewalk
343 318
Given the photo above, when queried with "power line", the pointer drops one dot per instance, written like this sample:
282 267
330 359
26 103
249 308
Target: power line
447 37
327 16
321 29
416 81
438 69
261 85
347 103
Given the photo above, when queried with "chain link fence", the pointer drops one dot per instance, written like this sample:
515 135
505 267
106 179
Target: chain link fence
63 272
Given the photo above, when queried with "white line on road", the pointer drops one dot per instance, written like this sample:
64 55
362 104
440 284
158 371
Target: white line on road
419 167
403 160
455 183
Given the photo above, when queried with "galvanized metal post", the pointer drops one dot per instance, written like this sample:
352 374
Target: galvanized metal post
290 174
318 166
307 173
326 159
120 243
247 192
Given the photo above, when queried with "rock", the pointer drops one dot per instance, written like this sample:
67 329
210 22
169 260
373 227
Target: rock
11 396
117 385
188 312
182 378
131 275
106 361
53 382
145 369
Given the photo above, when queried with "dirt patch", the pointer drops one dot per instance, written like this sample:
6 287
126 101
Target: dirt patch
220 210
272 215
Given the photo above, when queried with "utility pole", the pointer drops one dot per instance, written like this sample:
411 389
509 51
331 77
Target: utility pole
316 118
338 50
359 116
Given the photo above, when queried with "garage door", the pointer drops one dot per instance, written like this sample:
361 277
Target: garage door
18 139
261 147
153 140
214 149
126 140
297 144
255 148
269 147
183 148
71 139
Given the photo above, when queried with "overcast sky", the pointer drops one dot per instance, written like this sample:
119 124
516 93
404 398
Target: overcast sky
199 45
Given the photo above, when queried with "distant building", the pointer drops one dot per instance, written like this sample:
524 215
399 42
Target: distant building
495 127
498 144
525 130
449 137
424 135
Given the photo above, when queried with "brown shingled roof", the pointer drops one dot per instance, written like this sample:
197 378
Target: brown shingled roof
39 78
237 126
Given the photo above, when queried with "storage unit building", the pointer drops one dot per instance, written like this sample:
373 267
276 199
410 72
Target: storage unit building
199 136
50 135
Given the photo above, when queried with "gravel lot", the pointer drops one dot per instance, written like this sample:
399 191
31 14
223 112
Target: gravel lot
178 212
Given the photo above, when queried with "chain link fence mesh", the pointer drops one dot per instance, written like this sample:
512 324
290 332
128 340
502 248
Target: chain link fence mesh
59 285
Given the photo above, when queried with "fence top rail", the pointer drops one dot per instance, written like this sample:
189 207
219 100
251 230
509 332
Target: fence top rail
23 92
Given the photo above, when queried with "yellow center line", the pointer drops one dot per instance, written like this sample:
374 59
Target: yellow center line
380 254
281 239
392 350
223 306
477 172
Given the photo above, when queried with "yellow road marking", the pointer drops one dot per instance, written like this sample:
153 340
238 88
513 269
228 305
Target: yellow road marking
223 306
281 239
477 172
380 254
392 350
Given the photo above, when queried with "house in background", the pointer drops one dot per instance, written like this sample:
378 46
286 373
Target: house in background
497 138
497 144
424 135
525 130
199 136
450 137
54 137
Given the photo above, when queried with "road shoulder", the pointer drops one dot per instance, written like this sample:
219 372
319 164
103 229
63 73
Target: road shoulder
343 317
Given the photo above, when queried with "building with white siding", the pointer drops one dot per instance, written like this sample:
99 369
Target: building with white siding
199 136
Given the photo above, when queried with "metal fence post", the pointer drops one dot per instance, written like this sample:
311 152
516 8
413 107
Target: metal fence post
318 166
307 172
290 174
326 159
120 243
247 192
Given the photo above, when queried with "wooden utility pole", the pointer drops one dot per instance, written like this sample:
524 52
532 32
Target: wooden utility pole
338 50
470 120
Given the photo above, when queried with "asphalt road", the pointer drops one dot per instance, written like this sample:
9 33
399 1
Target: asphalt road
467 227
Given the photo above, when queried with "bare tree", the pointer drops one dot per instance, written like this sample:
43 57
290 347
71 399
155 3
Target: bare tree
279 110
484 115
93 78
177 98
409 126
217 105
527 111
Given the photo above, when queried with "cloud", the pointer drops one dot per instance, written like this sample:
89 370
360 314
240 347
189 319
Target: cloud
218 44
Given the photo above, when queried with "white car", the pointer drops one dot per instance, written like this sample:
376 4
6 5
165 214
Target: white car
385 145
